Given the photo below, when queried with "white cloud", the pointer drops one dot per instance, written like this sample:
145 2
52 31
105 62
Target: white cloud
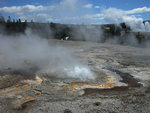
75 11
94 16
97 7
68 4
40 12
21 9
117 15
40 17
88 6
138 10
112 14
86 19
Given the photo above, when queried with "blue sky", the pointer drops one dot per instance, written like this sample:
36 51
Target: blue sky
76 11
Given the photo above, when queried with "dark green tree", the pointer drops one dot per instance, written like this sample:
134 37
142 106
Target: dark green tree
2 20
26 21
19 20
14 21
9 19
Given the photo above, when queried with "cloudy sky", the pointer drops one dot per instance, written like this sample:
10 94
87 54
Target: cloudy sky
77 11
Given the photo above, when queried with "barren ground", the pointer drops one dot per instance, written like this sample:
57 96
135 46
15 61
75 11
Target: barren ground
122 83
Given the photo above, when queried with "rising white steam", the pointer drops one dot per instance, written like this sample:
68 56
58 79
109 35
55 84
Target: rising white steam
81 72
114 15
25 52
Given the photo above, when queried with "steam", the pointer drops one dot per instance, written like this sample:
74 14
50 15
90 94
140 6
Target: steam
114 15
87 33
80 72
29 51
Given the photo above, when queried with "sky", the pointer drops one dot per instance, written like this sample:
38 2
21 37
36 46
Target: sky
77 11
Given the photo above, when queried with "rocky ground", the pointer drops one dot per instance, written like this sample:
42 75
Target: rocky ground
121 84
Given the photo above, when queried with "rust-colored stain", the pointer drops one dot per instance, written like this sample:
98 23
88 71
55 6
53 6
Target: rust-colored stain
104 49
75 87
23 88
110 79
14 90
26 99
110 83
119 54
37 91
37 80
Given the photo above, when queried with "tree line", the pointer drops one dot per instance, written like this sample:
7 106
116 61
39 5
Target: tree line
61 31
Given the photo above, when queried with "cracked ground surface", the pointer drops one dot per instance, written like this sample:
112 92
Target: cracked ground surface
121 84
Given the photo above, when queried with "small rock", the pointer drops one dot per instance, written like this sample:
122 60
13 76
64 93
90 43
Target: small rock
18 106
97 104
67 111
81 92
147 90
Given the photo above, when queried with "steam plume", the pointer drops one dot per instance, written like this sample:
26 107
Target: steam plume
25 52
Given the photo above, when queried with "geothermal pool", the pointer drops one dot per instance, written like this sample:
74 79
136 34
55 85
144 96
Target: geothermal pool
105 78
